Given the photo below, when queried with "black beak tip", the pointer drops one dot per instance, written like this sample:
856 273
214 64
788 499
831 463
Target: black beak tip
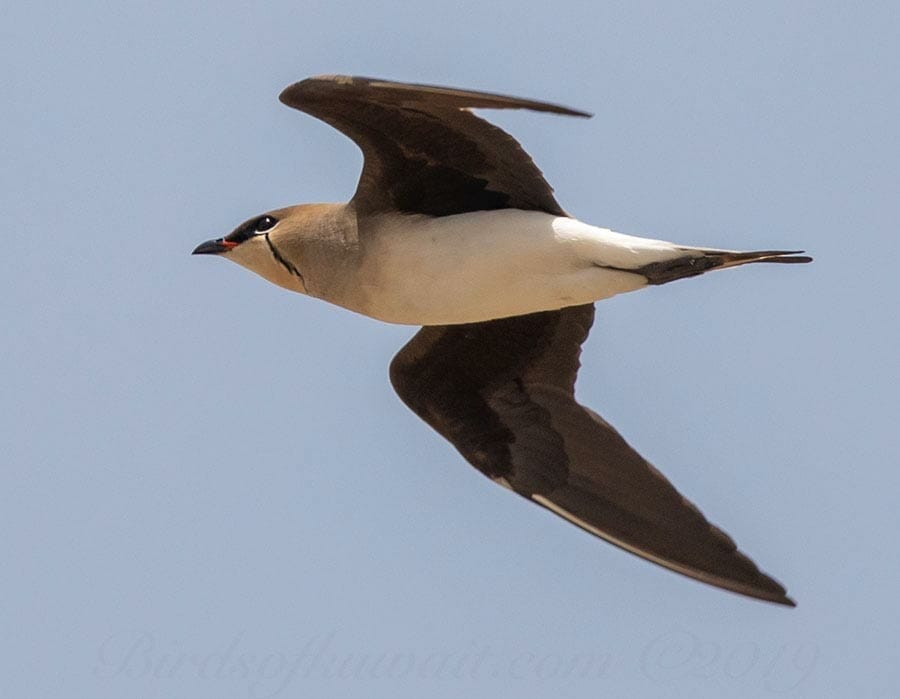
210 247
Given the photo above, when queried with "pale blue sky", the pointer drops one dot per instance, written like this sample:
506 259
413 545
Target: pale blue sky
209 488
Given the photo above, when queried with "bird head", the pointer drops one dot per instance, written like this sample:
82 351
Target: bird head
262 245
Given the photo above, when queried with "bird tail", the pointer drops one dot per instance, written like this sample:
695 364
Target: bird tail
699 260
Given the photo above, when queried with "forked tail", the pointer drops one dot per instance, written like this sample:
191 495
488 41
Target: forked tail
699 260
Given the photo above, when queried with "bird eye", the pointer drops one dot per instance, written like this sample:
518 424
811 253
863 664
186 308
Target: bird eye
264 223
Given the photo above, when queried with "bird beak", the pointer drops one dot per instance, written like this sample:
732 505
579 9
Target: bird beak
213 247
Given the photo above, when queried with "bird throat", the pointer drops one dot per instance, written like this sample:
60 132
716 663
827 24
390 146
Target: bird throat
284 262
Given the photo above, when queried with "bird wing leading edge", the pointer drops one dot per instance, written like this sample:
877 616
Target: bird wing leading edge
424 152
502 392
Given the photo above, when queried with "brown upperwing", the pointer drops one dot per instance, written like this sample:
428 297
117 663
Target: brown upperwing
503 393
424 152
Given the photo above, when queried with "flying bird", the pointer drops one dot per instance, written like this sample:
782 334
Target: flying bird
454 228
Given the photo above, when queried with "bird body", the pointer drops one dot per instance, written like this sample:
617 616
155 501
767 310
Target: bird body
454 228
472 267
482 265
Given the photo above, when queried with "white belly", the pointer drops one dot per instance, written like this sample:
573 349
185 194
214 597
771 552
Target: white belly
493 264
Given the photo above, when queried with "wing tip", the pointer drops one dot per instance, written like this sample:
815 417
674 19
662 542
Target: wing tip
760 586
291 94
770 590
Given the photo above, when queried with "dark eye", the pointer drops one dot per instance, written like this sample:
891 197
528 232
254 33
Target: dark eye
264 223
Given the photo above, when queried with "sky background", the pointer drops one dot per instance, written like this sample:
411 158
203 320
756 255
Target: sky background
209 488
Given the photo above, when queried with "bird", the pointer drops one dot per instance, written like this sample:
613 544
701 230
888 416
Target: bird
453 227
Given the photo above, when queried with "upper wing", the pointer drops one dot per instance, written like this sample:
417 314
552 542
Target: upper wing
503 393
424 151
